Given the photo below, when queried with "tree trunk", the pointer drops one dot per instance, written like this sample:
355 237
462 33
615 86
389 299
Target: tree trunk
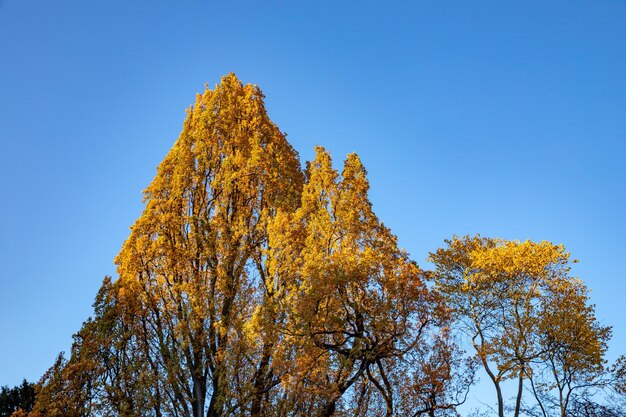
215 405
520 387
199 395
260 381
496 383
329 410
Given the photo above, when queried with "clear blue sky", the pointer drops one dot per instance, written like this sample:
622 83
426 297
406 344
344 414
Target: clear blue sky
504 118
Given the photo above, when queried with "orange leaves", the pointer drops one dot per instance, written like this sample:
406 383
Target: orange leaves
204 227
353 298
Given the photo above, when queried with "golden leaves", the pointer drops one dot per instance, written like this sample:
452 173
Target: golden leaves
522 310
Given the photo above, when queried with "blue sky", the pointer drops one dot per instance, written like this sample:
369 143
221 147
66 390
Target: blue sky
503 118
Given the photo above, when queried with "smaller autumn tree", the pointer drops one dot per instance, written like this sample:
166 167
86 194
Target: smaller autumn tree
572 361
358 308
523 314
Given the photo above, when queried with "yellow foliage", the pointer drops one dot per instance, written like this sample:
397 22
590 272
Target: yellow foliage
522 310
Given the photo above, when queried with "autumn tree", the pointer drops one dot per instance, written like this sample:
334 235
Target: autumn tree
524 315
168 336
358 308
190 259
572 361
248 287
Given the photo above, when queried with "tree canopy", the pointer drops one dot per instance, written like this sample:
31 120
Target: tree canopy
250 286
526 318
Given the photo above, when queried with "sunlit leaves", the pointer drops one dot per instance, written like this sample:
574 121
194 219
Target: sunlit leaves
526 317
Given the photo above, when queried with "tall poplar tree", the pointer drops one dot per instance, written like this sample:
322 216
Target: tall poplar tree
187 271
